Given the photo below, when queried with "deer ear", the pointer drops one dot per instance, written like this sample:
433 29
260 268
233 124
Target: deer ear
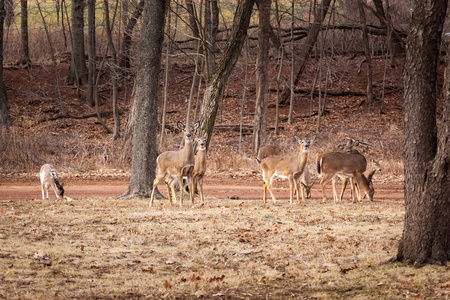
298 139
196 125
303 185
205 136
313 137
180 125
371 159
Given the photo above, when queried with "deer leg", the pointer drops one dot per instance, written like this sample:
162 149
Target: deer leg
333 182
155 182
324 181
291 189
180 180
344 185
200 188
264 192
191 188
171 190
269 187
358 187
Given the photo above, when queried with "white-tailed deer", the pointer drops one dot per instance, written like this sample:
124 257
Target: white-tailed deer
268 150
49 178
285 167
352 165
200 164
305 184
174 165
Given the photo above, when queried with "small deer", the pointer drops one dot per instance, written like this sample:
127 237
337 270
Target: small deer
348 148
351 165
200 164
49 178
268 150
174 165
285 167
305 184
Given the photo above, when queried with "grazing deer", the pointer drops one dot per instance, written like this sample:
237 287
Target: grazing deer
348 148
267 150
200 164
285 167
305 184
343 164
174 165
49 178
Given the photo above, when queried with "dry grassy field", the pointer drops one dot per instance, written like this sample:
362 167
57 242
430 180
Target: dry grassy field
102 248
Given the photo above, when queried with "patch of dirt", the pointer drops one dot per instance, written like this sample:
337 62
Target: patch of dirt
214 188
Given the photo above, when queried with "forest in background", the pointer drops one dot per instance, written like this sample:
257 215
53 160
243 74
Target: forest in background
52 120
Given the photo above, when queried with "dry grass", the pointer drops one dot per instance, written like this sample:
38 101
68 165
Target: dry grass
103 248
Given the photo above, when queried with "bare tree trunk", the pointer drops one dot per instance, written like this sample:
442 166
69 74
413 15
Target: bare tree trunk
426 233
362 17
145 105
24 49
292 84
92 84
193 19
113 70
78 69
306 48
127 34
166 82
5 120
262 78
243 97
209 41
214 89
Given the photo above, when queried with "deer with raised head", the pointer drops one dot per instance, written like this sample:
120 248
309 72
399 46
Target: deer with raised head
200 164
305 184
49 178
332 164
290 168
268 150
174 165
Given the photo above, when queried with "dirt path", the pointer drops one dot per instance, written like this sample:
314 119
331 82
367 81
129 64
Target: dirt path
215 188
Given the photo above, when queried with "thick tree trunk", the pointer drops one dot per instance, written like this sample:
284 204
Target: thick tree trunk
78 67
306 48
223 69
262 78
145 105
426 233
5 120
24 49
127 34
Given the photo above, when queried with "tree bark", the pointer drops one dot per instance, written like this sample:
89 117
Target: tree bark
127 34
5 120
90 101
113 72
145 104
214 89
306 48
24 45
78 67
426 233
262 78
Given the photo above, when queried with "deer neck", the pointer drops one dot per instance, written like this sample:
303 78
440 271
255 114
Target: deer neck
188 151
